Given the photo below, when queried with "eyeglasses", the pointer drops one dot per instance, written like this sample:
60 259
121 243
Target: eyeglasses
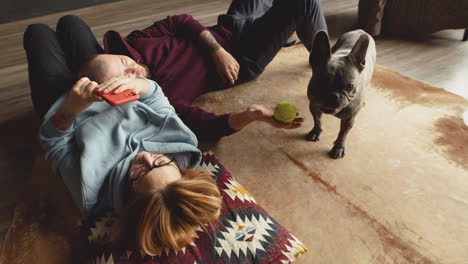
138 175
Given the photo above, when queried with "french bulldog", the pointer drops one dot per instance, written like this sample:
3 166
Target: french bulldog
340 77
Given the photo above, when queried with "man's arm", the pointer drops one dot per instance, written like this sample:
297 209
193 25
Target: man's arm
226 66
186 27
209 126
206 125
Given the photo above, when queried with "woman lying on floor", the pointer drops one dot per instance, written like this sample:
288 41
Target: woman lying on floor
135 158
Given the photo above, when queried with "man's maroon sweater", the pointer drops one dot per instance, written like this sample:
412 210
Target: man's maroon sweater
180 66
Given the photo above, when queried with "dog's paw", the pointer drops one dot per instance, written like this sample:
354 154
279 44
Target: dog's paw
313 135
337 152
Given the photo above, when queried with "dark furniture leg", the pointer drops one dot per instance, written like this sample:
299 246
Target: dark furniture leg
465 36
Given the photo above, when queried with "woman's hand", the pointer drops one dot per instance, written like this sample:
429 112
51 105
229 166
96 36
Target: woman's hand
226 65
81 96
120 84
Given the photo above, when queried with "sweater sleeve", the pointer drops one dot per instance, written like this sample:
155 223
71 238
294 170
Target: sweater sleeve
64 157
179 26
156 99
206 125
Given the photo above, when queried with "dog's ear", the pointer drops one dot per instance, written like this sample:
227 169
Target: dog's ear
320 53
359 51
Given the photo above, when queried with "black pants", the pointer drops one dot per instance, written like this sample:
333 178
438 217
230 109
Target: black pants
54 58
262 27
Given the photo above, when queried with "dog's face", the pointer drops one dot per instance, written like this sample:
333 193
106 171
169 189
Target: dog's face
336 79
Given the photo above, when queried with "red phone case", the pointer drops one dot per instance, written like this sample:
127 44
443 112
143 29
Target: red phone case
120 98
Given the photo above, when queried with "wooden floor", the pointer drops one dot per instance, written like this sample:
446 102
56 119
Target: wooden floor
441 60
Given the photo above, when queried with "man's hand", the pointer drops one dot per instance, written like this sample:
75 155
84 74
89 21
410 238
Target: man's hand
262 113
120 84
226 66
265 113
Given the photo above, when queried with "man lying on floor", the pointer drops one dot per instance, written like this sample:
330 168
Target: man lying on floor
135 157
185 58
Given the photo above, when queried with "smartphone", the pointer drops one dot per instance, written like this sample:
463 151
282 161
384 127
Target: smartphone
120 98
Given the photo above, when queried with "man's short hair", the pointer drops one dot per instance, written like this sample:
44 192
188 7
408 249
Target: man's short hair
95 69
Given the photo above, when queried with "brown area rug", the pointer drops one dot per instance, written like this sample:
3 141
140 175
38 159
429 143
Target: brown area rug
399 196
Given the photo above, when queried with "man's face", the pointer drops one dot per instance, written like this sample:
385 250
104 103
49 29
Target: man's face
120 65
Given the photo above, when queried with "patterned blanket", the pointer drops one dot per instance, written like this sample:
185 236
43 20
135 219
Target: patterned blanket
244 233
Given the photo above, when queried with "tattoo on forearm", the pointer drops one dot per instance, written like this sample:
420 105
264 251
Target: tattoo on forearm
208 41
62 121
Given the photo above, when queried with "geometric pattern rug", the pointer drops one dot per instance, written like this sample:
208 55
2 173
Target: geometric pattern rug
244 232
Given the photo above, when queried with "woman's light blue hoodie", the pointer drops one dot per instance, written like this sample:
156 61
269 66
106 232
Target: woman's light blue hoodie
93 156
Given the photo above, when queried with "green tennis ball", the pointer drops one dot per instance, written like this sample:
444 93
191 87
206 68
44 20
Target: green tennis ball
285 112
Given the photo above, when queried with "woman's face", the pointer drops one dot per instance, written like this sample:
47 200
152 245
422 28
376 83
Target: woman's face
150 172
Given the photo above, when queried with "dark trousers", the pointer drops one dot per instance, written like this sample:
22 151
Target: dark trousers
55 57
262 27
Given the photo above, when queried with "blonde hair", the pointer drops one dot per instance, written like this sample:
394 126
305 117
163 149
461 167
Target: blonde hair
169 217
